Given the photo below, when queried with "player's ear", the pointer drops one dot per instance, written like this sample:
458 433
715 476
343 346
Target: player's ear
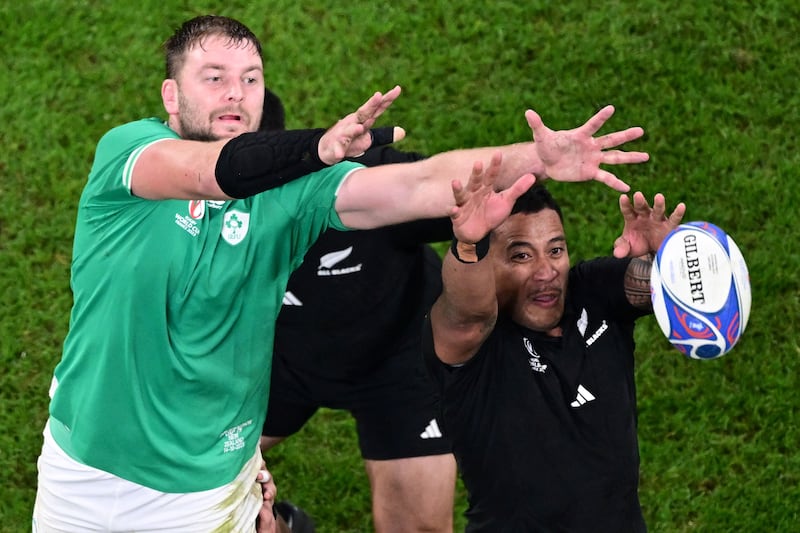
169 96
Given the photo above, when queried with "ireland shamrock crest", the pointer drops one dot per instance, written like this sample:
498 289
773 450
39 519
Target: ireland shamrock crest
234 226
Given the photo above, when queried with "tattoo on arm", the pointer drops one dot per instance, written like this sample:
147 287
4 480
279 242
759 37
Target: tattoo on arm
637 282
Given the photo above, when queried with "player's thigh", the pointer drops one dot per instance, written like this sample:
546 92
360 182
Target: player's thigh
413 494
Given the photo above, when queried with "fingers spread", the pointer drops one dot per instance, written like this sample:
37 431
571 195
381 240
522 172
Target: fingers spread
607 178
619 137
658 207
625 206
458 193
640 204
677 215
535 123
520 186
594 124
376 104
369 108
618 157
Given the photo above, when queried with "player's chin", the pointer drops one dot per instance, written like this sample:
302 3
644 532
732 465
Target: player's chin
541 318
228 129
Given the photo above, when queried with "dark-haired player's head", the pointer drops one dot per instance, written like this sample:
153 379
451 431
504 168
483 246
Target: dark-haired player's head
531 262
214 88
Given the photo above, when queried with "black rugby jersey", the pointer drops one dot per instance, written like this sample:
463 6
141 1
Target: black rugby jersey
358 295
544 428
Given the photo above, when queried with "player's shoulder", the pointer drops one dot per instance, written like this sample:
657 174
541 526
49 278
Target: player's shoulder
598 272
600 284
138 130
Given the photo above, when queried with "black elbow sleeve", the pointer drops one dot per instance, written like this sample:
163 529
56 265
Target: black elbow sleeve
255 162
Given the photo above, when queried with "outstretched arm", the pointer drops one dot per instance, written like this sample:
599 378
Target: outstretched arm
644 230
392 194
465 313
252 162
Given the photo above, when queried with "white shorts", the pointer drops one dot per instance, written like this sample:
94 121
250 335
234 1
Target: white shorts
73 497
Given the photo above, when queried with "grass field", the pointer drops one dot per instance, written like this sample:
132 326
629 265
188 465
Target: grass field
714 84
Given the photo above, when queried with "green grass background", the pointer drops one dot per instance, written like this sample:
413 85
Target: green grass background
713 83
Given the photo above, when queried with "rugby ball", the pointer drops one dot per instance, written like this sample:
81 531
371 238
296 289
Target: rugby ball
700 288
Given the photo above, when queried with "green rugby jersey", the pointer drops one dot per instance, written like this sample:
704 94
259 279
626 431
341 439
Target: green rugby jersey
165 372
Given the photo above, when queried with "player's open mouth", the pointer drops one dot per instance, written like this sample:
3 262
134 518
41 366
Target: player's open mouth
546 299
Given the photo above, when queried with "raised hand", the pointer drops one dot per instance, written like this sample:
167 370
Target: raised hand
350 136
576 155
479 208
645 227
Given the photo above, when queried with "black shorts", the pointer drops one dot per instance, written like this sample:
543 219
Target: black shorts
394 404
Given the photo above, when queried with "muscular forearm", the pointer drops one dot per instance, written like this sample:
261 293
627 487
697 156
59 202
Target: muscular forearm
393 194
518 159
466 311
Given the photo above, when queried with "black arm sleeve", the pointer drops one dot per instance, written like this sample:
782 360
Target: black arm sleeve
255 162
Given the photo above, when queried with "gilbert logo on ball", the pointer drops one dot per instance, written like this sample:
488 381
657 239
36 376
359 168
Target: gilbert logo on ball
700 289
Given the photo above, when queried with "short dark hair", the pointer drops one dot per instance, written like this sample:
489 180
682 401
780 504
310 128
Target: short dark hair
534 200
192 32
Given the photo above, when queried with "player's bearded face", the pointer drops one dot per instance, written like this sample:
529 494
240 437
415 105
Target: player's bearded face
531 269
218 91
195 125
222 122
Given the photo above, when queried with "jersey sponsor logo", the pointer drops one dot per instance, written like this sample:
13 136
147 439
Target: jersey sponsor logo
290 299
197 208
596 335
233 439
432 431
583 397
328 261
215 204
235 226
583 323
534 361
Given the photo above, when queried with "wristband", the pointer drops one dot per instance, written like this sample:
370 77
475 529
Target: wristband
255 162
481 249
